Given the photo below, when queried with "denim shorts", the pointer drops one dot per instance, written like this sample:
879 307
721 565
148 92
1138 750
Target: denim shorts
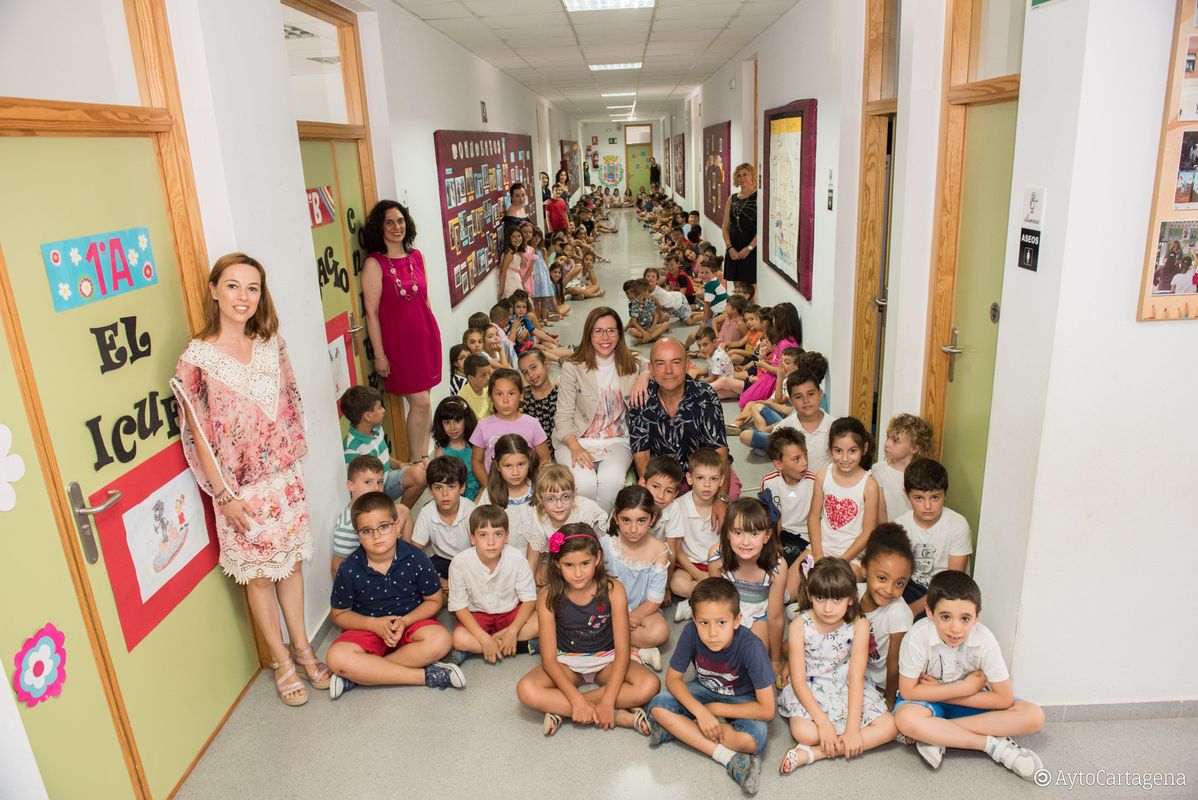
393 483
941 710
762 438
756 728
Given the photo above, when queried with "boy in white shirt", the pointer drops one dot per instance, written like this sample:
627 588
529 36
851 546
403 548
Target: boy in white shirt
908 437
662 477
951 669
443 523
671 302
940 537
693 535
719 365
787 492
802 387
491 592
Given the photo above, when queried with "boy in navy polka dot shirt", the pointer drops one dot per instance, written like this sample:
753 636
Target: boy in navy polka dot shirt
385 599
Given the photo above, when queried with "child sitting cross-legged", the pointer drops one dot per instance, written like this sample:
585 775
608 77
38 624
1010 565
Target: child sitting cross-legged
692 533
954 688
719 367
582 616
646 322
491 592
724 712
640 562
385 599
363 408
364 474
908 437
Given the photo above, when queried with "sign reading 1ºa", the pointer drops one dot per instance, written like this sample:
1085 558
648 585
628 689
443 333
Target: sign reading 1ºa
88 269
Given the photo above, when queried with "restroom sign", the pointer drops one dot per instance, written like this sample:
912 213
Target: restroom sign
1029 249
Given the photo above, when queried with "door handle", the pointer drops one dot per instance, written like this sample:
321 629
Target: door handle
881 303
354 329
83 513
952 351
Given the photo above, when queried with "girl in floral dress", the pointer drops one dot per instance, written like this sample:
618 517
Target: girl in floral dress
243 433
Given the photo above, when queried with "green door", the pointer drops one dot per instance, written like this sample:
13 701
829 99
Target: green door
637 158
985 203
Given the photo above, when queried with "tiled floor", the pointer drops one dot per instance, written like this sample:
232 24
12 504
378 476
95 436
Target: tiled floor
420 743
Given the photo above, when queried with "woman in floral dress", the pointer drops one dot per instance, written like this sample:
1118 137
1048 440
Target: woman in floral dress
243 433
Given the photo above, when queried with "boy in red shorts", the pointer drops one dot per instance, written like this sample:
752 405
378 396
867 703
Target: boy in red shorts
492 593
385 598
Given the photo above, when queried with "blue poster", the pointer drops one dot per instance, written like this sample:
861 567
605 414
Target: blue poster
88 269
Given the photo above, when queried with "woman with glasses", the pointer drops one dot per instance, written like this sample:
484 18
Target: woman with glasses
590 429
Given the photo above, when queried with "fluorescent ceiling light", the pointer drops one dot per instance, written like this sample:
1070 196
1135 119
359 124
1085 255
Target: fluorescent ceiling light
599 67
630 105
605 5
618 94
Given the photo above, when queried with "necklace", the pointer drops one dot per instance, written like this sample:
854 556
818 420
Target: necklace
403 292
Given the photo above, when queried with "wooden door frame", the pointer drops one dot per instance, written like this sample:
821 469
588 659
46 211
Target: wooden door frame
159 118
877 107
959 92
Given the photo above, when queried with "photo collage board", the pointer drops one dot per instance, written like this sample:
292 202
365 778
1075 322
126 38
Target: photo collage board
717 170
1169 285
474 171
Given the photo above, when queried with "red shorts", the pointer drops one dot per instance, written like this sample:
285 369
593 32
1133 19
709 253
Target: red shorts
372 643
695 564
494 623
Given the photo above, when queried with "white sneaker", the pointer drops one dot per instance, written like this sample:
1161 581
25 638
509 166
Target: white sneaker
931 754
1020 760
651 658
792 611
682 611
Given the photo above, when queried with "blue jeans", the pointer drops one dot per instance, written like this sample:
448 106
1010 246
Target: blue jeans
756 728
393 483
762 438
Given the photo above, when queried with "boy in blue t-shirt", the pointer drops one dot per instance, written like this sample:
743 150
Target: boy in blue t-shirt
733 680
385 599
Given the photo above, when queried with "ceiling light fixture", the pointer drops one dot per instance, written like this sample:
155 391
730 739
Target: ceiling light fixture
605 5
617 94
601 67
630 105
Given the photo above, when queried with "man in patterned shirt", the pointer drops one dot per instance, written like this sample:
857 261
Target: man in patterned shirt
679 415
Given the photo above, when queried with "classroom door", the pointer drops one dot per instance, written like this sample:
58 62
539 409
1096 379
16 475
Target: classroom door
636 156
337 213
95 315
981 249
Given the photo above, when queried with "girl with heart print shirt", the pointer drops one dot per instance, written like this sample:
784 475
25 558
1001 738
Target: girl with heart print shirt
844 503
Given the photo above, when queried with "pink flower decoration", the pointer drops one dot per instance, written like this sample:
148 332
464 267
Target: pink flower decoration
555 541
40 666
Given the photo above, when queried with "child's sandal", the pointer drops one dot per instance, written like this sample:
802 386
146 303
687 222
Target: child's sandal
640 721
791 761
291 690
315 670
551 725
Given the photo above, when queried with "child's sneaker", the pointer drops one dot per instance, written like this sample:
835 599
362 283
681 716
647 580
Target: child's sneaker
1020 760
791 612
931 753
534 645
440 675
651 658
657 734
339 685
746 771
456 657
682 612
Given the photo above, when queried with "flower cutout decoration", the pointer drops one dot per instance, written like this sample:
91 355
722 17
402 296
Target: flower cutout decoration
55 257
133 256
40 666
12 469
75 257
147 270
64 291
143 242
86 287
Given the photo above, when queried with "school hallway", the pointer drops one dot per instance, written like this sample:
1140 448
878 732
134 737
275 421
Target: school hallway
417 742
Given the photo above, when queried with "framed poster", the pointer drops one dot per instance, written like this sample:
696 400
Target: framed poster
667 173
475 169
569 151
717 170
159 540
1169 282
680 163
789 192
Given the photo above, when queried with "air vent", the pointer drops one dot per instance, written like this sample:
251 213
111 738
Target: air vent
293 32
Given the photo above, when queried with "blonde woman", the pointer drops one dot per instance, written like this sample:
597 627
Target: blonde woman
740 229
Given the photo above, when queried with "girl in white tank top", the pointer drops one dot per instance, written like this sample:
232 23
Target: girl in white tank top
844 508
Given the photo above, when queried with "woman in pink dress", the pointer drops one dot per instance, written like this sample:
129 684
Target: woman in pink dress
399 318
243 433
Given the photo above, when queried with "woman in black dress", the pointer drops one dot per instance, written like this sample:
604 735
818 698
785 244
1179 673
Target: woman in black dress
740 229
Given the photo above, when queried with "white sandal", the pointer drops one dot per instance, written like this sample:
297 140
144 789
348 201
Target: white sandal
791 761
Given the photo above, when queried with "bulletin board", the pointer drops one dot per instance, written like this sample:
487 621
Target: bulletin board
475 169
680 163
717 170
667 174
1169 285
569 150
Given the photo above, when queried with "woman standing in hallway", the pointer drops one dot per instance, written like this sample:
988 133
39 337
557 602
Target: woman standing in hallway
517 209
590 427
399 318
243 433
740 229
545 192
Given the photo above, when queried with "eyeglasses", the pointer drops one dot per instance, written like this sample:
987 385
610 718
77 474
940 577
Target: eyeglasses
605 332
555 499
381 530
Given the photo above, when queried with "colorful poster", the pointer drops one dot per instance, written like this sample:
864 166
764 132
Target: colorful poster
680 163
717 170
789 192
476 187
667 173
322 209
88 269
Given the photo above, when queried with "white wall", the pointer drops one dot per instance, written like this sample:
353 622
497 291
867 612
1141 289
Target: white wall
815 51
1105 481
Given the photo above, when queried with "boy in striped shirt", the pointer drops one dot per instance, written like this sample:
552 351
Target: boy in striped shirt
363 407
364 474
787 491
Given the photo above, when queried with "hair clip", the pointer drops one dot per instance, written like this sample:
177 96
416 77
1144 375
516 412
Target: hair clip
557 539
